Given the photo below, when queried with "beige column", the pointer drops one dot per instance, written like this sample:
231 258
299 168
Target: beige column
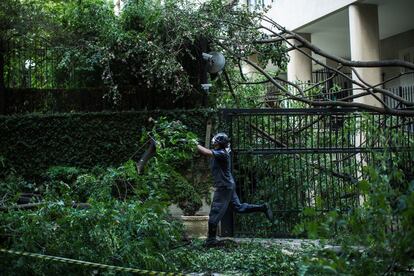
248 70
364 39
300 66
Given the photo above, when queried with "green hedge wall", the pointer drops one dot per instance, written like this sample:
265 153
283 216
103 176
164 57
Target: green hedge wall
29 100
31 143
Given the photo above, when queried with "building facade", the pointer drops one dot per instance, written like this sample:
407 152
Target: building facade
353 29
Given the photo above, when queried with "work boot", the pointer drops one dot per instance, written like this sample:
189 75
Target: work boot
264 208
211 240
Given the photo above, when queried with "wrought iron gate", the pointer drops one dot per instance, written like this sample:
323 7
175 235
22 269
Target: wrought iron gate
304 160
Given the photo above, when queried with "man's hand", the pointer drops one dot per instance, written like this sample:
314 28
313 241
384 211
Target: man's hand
204 151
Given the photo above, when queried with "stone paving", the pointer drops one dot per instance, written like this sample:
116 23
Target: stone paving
288 246
290 243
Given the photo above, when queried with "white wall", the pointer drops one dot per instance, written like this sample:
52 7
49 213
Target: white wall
392 48
294 14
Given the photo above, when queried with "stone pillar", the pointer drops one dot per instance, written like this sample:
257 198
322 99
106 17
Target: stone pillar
300 66
364 39
248 70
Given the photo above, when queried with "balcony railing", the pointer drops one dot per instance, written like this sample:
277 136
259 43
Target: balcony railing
405 92
331 83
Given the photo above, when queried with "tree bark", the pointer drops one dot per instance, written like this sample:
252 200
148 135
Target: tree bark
150 152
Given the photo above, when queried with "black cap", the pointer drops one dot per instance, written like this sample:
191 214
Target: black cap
220 139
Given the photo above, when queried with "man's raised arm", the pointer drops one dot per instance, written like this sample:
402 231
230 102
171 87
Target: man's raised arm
204 151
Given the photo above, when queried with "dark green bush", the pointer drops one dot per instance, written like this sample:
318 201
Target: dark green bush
60 173
125 222
168 170
12 186
124 233
115 228
79 185
375 238
33 143
241 259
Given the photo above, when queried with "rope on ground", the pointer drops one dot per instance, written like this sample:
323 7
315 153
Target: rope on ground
89 264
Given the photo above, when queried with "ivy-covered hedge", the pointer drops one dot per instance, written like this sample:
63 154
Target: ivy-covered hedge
29 100
32 143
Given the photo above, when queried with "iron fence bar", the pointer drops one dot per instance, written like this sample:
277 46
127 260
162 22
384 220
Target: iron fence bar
297 198
291 111
336 188
284 180
307 167
315 150
238 131
269 130
287 190
314 177
357 174
244 132
329 196
319 178
264 126
335 164
250 134
285 132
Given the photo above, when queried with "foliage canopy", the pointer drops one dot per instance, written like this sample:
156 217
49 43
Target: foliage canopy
156 44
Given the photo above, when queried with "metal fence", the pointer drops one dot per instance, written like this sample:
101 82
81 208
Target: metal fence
35 64
305 160
331 82
405 92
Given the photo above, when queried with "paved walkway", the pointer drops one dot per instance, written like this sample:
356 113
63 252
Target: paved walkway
291 243
288 246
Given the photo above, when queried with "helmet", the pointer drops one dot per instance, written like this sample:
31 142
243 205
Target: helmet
221 139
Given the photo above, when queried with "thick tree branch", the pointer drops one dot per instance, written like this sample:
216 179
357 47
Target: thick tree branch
241 71
231 89
331 103
254 82
272 40
368 86
350 63
276 34
370 89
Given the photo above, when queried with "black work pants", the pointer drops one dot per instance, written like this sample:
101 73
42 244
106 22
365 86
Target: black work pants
221 200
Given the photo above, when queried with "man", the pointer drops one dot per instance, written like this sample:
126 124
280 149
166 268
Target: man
225 191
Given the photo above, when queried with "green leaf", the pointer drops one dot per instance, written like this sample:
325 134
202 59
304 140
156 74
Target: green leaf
364 186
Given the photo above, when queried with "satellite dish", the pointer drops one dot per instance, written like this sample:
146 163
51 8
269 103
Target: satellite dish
215 62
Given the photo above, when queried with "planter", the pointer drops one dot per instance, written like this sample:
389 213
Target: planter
195 226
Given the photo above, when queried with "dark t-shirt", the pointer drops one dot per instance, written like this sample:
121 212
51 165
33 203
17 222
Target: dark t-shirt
221 169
